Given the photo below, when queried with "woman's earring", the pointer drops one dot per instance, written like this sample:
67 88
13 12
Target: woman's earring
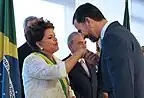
41 48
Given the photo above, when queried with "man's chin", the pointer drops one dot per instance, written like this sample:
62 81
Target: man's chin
93 38
93 41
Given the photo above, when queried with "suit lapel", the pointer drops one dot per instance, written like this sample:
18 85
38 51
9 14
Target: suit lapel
91 69
80 68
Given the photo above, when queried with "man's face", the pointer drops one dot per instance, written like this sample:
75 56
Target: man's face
85 30
78 42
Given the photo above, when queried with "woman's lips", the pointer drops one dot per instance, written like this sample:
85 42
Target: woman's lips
56 43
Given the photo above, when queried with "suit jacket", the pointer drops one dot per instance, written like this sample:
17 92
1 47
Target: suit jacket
23 52
83 85
121 64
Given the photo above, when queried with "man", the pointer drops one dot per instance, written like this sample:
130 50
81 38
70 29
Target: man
83 77
121 64
25 50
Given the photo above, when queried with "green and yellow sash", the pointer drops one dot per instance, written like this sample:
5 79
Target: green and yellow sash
64 81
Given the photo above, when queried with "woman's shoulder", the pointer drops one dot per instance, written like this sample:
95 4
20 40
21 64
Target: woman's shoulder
32 58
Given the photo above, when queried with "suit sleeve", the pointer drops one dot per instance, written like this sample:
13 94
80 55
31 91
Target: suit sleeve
73 88
117 54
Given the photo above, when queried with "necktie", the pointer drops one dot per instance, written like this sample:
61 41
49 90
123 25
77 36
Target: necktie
84 66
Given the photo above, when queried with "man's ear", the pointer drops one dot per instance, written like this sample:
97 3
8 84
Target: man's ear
88 21
70 47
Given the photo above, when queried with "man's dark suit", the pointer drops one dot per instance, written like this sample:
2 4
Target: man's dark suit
83 85
121 66
23 52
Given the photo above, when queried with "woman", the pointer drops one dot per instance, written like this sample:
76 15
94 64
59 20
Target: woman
44 75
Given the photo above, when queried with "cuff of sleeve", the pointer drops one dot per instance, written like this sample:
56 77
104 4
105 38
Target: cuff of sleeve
62 69
71 93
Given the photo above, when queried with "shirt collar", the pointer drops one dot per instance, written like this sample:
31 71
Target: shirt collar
104 29
81 59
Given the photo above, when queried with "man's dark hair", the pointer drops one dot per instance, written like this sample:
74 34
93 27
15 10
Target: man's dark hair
35 32
30 18
87 10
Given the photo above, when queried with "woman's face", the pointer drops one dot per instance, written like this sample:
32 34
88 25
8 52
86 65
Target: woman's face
49 42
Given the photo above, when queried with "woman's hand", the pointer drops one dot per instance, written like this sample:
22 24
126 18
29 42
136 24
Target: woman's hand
73 97
71 92
71 61
81 52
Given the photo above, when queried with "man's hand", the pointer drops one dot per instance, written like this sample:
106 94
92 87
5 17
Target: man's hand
91 58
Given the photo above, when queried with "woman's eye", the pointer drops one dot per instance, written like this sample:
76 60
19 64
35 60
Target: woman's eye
49 37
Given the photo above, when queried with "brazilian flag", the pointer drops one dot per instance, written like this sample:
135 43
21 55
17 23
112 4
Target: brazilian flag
9 69
126 22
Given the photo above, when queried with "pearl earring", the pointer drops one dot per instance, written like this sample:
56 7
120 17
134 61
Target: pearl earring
41 48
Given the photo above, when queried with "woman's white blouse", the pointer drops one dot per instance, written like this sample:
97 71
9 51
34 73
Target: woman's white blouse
40 79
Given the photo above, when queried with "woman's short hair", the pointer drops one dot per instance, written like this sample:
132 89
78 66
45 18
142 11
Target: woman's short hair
35 32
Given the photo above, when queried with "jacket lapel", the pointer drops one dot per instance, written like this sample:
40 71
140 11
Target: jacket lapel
80 68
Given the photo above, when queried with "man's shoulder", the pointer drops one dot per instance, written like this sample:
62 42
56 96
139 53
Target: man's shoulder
24 50
24 47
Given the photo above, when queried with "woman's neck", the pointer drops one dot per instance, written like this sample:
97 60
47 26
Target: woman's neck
49 55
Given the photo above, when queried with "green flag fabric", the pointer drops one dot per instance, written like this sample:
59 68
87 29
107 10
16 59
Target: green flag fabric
126 22
10 86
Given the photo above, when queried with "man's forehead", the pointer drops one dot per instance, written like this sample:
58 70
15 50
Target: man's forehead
83 34
79 26
76 24
78 37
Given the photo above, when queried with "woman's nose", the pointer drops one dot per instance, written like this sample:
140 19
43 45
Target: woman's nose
55 39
